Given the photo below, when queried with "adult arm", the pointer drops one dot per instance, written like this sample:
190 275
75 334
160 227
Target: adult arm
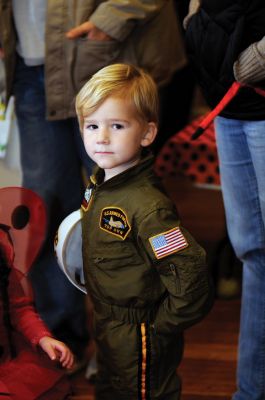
194 7
250 65
116 19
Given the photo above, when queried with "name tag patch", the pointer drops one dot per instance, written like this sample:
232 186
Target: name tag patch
114 220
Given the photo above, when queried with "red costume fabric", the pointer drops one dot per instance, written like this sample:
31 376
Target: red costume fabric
30 374
196 159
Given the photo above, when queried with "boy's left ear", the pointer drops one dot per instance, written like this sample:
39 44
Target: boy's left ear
149 135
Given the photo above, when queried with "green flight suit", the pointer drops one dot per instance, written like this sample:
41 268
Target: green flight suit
147 279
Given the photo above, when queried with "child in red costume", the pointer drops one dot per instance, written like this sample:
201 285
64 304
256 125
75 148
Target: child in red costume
29 356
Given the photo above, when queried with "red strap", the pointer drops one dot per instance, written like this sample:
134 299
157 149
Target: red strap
260 91
230 94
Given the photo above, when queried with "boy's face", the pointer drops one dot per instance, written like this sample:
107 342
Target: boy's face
114 136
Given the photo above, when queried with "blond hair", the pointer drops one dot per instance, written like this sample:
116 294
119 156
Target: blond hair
119 80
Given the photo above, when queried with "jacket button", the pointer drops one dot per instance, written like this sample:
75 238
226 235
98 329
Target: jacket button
52 113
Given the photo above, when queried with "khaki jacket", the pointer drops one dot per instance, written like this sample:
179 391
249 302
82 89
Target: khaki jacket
139 289
145 33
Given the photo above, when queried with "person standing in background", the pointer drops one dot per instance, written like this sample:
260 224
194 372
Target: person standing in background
176 98
45 67
175 82
225 41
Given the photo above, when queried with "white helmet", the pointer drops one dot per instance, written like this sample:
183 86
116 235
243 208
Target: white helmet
68 248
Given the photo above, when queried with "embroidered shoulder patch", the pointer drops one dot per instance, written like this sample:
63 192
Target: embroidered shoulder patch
86 199
114 220
168 242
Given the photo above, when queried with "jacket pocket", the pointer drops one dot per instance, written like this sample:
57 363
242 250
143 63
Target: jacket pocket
92 55
119 274
170 277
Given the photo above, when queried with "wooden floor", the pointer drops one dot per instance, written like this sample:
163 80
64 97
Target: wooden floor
209 364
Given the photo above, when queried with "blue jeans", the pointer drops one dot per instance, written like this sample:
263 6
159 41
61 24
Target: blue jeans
51 167
241 150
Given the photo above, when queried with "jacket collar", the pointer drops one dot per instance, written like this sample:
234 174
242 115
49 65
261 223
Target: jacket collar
144 167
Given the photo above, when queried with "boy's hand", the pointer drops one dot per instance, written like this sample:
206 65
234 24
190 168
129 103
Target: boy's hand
57 350
89 30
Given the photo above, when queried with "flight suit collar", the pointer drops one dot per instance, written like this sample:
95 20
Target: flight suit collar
97 179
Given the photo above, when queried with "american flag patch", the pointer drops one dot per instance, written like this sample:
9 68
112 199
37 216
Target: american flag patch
168 242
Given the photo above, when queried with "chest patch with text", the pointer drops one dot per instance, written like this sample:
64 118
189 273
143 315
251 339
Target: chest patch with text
115 221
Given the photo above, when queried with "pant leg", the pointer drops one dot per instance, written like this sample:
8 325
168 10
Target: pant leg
123 373
241 149
51 168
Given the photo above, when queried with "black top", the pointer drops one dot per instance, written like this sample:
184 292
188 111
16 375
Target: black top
215 36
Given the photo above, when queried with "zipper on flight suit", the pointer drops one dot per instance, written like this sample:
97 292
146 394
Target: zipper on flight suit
175 273
85 207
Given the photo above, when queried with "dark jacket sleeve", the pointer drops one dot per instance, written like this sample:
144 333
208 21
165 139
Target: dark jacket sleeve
183 272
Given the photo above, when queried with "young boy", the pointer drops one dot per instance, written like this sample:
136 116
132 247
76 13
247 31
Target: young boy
145 274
